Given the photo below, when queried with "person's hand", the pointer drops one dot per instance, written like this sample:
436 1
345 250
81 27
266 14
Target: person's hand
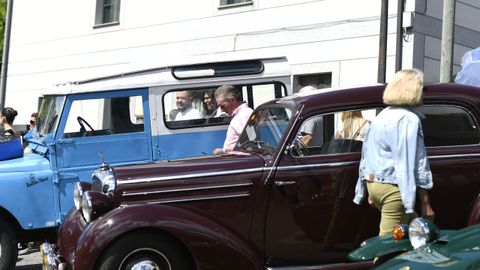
217 151
427 212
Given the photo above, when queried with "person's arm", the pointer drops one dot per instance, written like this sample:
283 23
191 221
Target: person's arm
427 211
306 139
403 144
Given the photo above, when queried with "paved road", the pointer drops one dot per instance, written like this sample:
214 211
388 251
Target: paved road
29 261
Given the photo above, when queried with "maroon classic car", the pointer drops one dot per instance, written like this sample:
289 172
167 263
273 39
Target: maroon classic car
278 202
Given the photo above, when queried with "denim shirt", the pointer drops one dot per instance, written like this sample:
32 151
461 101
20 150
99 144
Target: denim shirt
394 152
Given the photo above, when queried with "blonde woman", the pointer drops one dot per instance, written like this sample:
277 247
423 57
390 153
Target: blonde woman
394 165
354 126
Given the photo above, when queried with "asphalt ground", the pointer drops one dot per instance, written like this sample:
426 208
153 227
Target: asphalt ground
29 260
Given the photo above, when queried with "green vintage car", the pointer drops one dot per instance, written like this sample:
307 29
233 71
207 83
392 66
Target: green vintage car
421 245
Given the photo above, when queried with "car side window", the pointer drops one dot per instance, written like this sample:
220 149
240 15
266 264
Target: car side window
104 116
187 108
333 133
448 125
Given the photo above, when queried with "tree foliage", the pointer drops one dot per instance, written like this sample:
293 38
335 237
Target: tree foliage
3 12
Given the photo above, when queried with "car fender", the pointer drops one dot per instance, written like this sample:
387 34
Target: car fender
379 246
206 240
30 179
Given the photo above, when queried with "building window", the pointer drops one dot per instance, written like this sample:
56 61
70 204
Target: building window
235 2
319 80
108 12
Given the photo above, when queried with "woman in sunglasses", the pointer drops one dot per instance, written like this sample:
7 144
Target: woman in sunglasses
32 126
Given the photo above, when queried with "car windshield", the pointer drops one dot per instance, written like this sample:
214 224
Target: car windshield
49 113
264 130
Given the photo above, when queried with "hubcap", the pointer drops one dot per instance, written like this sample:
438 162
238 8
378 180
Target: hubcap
145 259
145 265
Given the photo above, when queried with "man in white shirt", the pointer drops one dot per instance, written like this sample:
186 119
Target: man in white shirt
184 109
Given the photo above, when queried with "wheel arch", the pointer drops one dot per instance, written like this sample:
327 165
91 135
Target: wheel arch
155 231
202 237
10 219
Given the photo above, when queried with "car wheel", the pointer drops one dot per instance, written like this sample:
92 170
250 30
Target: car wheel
8 246
145 251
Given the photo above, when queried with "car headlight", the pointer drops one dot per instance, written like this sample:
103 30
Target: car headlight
422 231
95 204
80 188
103 179
87 206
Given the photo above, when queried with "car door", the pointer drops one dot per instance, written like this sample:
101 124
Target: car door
105 126
452 137
311 218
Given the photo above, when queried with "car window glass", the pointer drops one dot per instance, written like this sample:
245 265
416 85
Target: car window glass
446 125
186 108
104 116
264 130
333 133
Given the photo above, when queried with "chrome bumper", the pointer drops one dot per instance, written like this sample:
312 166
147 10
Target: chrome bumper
50 259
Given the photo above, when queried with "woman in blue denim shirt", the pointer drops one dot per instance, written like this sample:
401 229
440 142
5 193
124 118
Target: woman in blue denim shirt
394 165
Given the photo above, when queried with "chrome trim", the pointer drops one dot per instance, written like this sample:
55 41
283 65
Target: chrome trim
266 169
331 164
127 194
192 175
229 196
454 156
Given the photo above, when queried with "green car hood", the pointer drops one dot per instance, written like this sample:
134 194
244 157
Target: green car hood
453 250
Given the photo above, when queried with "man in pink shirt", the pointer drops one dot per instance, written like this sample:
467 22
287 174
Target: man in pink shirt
229 99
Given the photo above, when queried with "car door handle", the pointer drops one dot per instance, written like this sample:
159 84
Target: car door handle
284 183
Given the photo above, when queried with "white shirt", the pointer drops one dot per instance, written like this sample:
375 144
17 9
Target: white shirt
188 114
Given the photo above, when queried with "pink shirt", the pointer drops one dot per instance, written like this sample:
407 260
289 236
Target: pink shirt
240 118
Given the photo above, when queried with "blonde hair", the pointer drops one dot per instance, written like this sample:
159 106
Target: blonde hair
405 88
352 122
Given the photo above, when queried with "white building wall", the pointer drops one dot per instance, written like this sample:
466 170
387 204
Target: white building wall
54 41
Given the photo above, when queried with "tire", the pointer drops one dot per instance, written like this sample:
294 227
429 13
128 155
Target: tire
8 246
147 249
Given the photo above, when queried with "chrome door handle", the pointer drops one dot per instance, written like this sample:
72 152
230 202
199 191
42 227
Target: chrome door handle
284 183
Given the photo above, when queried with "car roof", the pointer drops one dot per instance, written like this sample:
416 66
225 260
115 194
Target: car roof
273 67
356 97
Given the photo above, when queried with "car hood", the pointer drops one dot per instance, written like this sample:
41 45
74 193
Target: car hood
196 176
28 163
456 250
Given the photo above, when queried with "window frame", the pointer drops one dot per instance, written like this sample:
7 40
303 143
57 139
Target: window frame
238 3
224 120
100 13
336 115
463 108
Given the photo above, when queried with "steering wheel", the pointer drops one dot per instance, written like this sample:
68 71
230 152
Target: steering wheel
82 122
300 148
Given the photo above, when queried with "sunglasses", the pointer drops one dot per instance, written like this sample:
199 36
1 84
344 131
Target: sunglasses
32 122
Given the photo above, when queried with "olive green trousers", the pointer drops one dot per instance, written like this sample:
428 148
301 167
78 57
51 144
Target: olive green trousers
387 198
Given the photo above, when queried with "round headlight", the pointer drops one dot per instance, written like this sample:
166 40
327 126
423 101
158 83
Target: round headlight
80 188
87 206
422 231
103 180
95 204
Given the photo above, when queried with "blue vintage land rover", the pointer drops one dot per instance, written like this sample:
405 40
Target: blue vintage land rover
125 118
